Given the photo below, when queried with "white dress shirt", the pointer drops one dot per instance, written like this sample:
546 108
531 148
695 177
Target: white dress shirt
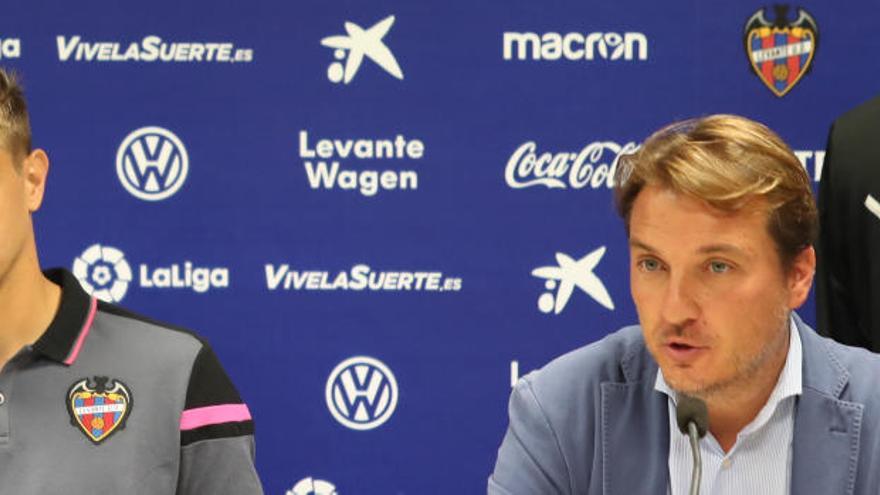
760 460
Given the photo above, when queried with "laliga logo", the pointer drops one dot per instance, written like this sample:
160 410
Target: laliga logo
152 163
361 393
309 486
356 45
568 275
103 272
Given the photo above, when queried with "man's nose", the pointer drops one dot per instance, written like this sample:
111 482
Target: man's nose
680 302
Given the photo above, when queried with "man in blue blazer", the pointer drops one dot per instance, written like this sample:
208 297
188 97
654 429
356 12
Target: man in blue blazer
721 223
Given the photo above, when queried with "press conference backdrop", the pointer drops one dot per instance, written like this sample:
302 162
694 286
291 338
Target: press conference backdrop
381 213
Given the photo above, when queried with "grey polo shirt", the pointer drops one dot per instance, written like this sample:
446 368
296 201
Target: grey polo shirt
108 402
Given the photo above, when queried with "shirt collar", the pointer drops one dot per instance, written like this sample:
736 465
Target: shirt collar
63 338
790 382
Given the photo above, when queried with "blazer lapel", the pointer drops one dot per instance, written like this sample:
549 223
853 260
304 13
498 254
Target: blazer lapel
826 428
826 431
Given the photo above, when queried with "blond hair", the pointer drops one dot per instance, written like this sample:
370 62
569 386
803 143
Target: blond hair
15 129
726 161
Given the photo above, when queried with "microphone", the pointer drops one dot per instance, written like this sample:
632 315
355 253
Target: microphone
693 420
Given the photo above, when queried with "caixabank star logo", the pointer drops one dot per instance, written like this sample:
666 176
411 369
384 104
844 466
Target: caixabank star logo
781 52
359 43
561 280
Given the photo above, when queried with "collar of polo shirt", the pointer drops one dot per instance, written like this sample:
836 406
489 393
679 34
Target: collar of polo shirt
63 338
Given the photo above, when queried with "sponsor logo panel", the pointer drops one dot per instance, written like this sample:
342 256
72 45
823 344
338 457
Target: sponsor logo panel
152 163
781 51
569 274
326 163
359 44
152 48
553 46
361 277
105 274
594 166
361 393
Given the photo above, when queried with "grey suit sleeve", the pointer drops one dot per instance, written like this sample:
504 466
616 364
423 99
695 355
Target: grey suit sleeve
217 435
530 461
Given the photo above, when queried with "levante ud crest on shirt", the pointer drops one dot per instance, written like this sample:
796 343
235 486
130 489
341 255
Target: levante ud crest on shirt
781 51
99 407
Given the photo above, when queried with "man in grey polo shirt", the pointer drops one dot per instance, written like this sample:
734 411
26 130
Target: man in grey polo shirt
95 399
721 220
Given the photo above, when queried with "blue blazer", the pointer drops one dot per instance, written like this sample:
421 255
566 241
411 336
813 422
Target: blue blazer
590 422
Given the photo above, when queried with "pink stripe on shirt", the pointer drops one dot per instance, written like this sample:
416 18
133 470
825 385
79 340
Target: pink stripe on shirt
93 307
213 415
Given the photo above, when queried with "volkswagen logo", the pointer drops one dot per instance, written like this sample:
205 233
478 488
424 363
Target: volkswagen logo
152 163
361 393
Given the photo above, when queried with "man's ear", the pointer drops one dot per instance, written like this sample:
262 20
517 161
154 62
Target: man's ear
35 169
800 277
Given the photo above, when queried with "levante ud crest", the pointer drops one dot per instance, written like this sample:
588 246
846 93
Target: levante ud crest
98 407
780 52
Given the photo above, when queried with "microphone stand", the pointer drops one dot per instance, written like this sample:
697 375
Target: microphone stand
692 417
694 436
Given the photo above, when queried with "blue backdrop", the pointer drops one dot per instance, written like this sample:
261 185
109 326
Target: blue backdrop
425 188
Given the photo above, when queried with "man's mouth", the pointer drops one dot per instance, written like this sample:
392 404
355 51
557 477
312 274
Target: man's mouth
683 352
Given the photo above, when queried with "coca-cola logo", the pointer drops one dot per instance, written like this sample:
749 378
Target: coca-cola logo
594 166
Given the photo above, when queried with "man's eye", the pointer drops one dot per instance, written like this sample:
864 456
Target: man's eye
719 267
650 265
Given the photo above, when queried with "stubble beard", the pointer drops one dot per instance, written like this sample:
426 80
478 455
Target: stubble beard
747 370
